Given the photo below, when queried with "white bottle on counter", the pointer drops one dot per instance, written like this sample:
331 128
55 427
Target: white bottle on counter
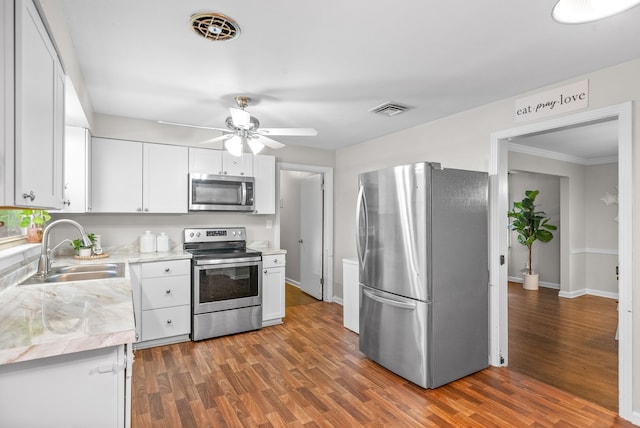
148 242
162 243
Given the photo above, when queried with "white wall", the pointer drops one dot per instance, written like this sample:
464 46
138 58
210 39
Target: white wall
546 255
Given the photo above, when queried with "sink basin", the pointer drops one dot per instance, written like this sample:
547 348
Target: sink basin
82 276
80 273
86 268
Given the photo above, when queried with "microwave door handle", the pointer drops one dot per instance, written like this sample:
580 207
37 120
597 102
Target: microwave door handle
243 193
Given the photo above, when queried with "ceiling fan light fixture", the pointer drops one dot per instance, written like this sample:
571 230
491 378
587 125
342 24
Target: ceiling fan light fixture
255 146
234 146
582 11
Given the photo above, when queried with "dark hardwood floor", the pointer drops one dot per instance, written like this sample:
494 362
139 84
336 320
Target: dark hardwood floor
568 343
308 372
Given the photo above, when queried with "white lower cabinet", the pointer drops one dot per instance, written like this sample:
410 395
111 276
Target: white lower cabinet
81 389
162 301
273 289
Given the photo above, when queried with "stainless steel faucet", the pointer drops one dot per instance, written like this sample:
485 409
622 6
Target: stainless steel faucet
44 263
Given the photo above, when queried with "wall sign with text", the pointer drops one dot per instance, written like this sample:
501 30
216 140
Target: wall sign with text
560 100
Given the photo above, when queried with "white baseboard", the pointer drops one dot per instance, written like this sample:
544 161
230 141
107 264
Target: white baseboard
540 283
338 300
571 294
292 282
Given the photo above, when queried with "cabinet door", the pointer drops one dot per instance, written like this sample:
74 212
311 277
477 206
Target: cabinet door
116 176
76 169
39 113
165 178
205 161
237 165
264 169
273 294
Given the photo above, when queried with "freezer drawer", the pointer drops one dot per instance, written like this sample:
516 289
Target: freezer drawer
393 332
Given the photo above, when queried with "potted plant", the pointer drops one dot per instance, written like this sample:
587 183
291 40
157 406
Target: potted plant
531 226
79 247
34 221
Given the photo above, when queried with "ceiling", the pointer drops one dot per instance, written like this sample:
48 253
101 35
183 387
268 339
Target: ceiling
325 64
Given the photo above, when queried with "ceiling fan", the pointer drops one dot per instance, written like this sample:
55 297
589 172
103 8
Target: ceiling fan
242 127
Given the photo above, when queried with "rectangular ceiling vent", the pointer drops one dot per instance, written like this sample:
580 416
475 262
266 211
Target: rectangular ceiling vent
389 109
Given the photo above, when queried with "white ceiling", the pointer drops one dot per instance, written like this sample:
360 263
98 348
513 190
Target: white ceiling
325 64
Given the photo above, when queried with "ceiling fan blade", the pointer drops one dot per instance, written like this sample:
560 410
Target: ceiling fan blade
193 126
300 132
241 118
268 142
216 139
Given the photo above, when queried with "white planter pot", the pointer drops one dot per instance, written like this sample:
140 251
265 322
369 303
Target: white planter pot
84 252
530 282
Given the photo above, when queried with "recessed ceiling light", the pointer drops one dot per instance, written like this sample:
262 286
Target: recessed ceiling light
214 26
581 11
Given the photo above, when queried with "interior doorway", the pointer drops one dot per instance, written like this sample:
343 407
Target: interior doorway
622 114
304 226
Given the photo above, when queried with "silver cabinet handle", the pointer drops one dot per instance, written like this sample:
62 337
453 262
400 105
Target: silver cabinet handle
167 270
167 291
146 210
168 321
275 260
138 209
265 271
31 196
67 203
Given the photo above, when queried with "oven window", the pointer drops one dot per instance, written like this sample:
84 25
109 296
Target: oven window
227 283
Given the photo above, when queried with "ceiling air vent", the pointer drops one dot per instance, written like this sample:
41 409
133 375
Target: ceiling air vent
214 26
389 109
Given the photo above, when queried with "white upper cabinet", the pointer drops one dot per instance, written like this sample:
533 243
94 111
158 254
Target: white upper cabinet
165 186
77 157
33 96
219 162
135 177
264 168
116 176
237 165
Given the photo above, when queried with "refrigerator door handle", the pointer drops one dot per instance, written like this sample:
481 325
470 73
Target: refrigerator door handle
362 204
390 302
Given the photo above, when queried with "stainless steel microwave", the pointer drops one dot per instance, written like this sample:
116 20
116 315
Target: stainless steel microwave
220 193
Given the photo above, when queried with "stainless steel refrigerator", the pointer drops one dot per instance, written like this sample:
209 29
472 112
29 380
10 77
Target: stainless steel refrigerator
422 241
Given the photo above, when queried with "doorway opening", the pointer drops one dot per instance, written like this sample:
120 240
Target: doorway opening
304 227
622 115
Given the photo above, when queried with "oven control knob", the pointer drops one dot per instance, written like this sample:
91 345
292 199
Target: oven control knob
239 233
198 234
191 235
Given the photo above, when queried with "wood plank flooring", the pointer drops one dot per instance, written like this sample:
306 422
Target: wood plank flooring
308 372
568 343
294 296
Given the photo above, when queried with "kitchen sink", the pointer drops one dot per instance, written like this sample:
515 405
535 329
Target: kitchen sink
80 273
86 268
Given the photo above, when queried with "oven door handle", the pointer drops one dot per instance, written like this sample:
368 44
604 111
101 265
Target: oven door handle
229 262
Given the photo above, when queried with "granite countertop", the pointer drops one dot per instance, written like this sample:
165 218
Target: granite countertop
44 320
265 248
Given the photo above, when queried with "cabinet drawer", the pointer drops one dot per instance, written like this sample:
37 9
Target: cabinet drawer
166 322
166 268
165 292
273 260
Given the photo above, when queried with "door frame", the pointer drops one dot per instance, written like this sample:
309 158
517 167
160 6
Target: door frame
498 319
327 219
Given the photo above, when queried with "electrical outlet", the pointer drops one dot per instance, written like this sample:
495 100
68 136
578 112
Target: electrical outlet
269 224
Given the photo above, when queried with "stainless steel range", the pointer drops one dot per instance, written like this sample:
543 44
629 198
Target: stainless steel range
226 282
